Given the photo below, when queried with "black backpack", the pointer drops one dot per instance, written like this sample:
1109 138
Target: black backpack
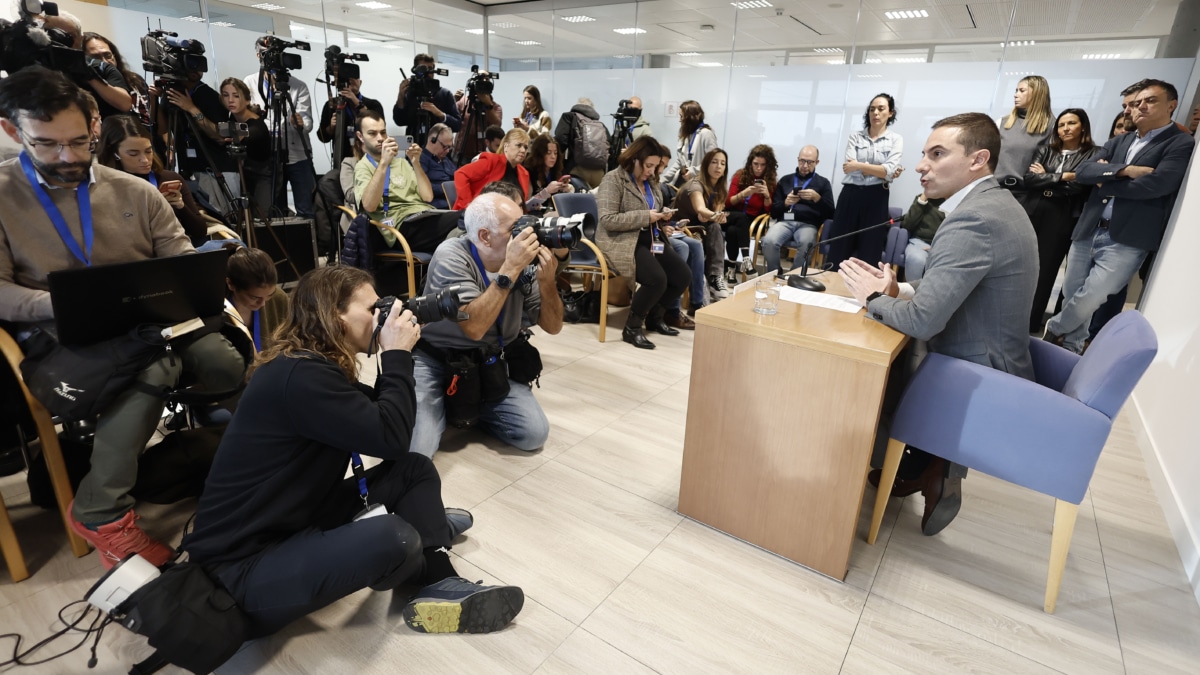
590 148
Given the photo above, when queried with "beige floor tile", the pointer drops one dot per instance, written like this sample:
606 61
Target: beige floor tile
1139 544
981 581
479 467
704 602
566 538
1159 624
865 558
586 654
891 638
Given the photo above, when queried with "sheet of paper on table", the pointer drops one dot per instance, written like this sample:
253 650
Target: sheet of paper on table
836 302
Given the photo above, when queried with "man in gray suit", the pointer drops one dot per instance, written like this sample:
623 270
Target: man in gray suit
973 302
1138 176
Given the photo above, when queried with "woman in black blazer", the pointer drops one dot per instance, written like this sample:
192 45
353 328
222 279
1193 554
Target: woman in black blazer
1055 200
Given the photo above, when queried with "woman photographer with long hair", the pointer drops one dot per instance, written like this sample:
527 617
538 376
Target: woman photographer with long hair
125 144
259 173
696 139
534 119
280 527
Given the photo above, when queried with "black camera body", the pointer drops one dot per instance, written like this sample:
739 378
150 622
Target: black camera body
556 232
336 62
427 308
481 83
23 43
236 132
275 59
421 88
171 58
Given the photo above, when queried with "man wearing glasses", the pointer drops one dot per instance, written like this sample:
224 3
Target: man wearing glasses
435 159
61 212
1137 176
803 200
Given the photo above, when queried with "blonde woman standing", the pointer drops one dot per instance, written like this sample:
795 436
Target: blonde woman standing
1023 132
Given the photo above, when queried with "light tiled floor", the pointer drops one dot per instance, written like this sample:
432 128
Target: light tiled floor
617 582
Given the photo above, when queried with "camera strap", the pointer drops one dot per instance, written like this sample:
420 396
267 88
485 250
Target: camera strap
387 182
84 197
152 178
488 282
360 476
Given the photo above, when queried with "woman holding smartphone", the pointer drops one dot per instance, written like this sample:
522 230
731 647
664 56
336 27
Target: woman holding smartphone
630 205
125 144
534 119
259 175
749 197
696 139
545 166
699 202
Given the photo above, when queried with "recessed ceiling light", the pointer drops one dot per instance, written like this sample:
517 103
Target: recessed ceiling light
373 5
828 50
528 61
194 19
479 31
687 53
910 59
756 76
836 62
629 31
267 6
870 77
223 24
752 4
577 19
504 24
622 56
393 46
1020 43
360 40
872 60
528 43
1102 56
710 64
907 14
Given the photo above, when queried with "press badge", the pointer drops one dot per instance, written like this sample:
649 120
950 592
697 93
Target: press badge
657 247
789 216
371 511
387 222
191 153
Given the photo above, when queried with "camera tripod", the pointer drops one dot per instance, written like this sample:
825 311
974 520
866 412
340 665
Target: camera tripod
172 116
622 136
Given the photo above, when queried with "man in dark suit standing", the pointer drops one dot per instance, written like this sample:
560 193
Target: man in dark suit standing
1137 176
973 302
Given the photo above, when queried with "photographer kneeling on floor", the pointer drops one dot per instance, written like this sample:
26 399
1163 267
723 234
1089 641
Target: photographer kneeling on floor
479 372
280 527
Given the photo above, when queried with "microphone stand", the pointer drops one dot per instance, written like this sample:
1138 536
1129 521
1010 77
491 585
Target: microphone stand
803 282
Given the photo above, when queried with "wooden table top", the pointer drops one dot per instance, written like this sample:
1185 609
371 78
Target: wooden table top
853 336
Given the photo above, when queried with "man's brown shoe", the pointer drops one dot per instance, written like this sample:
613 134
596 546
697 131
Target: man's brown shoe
681 321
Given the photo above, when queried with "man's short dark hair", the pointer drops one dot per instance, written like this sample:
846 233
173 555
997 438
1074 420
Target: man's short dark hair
493 133
976 131
368 114
1134 88
40 93
507 189
1172 92
422 58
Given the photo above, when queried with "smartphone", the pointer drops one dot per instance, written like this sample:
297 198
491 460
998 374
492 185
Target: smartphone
758 181
565 179
669 211
795 191
170 186
408 140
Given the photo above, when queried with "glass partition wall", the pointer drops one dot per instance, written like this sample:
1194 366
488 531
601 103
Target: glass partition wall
783 72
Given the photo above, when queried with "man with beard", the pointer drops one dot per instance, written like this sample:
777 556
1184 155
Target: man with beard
61 212
803 200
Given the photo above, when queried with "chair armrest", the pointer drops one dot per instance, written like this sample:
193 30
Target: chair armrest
1002 425
1052 365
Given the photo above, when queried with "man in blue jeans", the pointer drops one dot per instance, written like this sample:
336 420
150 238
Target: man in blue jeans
1137 176
502 291
803 200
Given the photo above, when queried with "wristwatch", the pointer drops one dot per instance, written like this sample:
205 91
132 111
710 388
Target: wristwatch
504 281
874 295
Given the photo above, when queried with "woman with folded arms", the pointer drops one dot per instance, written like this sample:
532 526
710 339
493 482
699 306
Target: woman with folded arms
629 234
126 144
1055 200
1024 131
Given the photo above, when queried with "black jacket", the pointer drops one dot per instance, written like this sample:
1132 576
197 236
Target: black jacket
1042 183
806 211
406 115
289 446
567 128
331 107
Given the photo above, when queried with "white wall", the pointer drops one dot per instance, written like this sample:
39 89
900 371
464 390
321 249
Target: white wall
1168 397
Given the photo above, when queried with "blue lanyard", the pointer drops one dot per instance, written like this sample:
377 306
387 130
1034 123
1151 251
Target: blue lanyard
257 330
802 187
648 191
356 465
529 118
488 282
693 140
152 178
387 182
56 216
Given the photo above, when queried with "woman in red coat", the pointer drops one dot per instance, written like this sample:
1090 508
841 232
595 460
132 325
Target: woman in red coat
504 165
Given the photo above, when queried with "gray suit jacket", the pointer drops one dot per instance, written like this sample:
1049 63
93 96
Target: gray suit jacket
973 302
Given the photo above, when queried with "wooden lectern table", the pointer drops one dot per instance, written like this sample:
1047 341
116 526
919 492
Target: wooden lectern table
782 413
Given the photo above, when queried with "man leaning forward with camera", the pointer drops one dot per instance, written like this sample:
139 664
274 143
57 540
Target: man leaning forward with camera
479 373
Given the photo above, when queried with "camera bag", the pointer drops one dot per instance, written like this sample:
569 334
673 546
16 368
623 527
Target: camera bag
524 360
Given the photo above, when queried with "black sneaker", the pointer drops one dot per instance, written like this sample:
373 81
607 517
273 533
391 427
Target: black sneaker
455 605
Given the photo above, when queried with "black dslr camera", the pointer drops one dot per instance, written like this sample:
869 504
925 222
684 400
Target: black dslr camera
556 232
335 62
427 308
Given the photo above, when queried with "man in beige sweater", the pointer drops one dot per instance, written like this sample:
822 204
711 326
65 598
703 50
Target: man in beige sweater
44 227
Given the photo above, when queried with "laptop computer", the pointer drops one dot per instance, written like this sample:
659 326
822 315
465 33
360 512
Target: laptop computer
102 302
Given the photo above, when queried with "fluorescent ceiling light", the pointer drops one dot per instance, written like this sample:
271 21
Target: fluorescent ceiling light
828 50
836 62
504 24
1102 56
373 5
479 31
752 4
907 14
710 64
910 59
1020 43
528 43
528 61
267 6
1019 72
223 24
194 19
870 77
629 31
393 46
756 76
687 53
577 19
622 56
872 60
361 40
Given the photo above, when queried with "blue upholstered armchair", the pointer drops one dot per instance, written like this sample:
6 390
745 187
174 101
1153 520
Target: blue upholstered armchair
1045 435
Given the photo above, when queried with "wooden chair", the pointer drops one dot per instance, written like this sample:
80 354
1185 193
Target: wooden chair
587 260
57 468
816 260
405 255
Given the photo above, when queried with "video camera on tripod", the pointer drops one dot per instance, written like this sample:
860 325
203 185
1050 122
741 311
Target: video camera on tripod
480 83
171 59
273 57
622 136
337 71
421 88
25 43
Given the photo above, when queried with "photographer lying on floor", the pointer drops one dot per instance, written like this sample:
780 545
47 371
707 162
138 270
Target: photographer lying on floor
278 524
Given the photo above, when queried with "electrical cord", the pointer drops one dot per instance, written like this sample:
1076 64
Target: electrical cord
98 622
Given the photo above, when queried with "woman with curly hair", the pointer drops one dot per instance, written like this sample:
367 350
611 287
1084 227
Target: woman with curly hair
749 197
545 166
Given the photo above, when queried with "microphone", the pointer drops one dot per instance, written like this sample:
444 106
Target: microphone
806 284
